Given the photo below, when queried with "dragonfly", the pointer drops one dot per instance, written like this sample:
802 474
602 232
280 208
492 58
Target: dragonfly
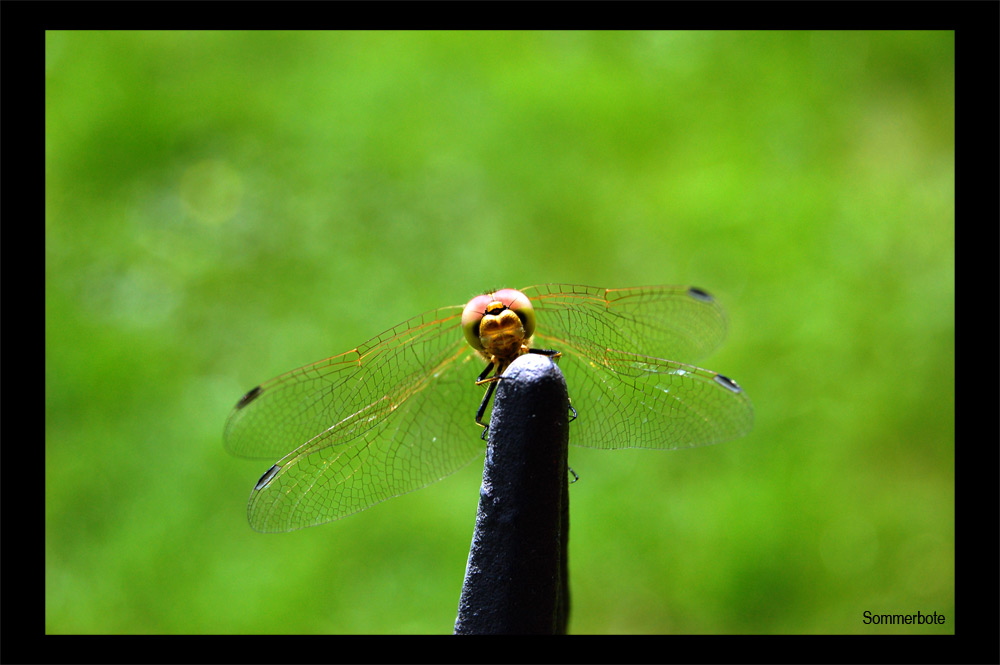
399 412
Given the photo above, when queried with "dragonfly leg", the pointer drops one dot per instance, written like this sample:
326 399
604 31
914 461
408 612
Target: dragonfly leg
485 402
492 381
572 410
493 364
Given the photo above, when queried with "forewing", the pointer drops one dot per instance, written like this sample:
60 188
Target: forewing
679 323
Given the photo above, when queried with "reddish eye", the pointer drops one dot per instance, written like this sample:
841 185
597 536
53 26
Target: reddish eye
471 317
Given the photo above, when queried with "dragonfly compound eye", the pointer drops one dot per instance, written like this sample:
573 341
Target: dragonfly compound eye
472 316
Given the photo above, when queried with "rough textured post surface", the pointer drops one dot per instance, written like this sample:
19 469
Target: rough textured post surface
516 578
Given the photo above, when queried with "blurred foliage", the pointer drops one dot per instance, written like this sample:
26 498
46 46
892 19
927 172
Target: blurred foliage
224 206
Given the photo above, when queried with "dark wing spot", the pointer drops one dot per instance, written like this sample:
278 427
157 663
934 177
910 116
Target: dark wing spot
249 397
698 294
266 478
728 383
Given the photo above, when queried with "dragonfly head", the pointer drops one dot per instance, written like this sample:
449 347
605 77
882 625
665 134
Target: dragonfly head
499 323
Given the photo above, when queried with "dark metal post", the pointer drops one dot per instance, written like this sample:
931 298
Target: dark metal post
516 578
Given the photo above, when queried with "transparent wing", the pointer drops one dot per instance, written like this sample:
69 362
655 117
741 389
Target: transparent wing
389 417
626 400
681 323
626 396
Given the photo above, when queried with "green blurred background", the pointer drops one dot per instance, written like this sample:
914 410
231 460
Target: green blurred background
225 206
